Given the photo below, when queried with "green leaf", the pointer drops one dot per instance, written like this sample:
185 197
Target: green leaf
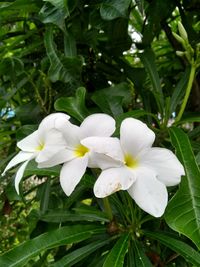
190 117
65 69
112 9
11 66
23 112
91 212
58 216
110 100
179 90
108 104
53 14
116 256
32 169
183 211
60 4
138 113
79 254
74 106
44 200
30 6
20 255
25 130
148 59
69 44
140 259
176 245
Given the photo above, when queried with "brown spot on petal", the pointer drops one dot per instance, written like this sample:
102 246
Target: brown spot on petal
118 187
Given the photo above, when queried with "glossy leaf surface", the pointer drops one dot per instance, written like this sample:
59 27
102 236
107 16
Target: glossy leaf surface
183 211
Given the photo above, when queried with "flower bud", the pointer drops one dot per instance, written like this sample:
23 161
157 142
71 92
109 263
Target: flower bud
180 53
182 31
178 38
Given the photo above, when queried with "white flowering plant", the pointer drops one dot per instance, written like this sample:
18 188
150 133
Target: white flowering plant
129 163
100 145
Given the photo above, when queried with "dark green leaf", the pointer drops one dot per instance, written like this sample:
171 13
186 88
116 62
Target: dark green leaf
52 14
60 4
179 90
66 69
108 104
21 254
23 113
58 216
116 256
178 246
140 259
138 113
183 211
19 5
32 169
74 106
111 9
24 131
44 200
148 59
79 254
110 100
91 212
69 44
190 117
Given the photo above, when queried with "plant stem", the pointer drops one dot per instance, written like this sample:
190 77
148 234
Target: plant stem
187 94
107 207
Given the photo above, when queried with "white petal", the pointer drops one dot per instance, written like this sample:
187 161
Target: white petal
58 158
71 174
149 193
109 146
97 160
30 143
19 175
52 121
20 157
135 136
113 180
71 134
97 125
165 163
53 144
54 137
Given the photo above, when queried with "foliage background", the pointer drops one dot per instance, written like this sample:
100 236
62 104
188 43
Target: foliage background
82 57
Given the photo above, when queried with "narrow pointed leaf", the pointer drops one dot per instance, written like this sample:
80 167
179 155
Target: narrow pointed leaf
45 194
58 216
189 117
20 255
79 254
176 245
179 90
183 211
116 256
148 59
140 259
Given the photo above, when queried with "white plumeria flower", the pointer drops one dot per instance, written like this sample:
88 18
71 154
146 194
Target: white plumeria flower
40 145
143 170
77 157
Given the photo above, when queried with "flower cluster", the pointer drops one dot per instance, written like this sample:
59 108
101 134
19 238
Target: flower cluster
129 163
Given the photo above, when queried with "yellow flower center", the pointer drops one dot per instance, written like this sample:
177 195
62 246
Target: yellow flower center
40 147
130 161
80 151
